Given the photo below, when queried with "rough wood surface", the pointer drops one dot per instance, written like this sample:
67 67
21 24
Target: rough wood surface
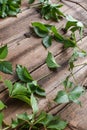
22 50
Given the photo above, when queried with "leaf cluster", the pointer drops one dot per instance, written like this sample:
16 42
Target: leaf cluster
5 66
71 93
49 10
35 121
50 32
77 53
9 7
73 25
22 90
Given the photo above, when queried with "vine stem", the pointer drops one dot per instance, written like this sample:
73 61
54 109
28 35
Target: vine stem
30 127
84 64
74 78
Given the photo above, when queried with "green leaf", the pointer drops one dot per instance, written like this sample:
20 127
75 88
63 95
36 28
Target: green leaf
61 97
41 118
41 26
51 11
2 105
51 122
31 1
19 89
76 54
23 74
74 25
1 119
76 93
47 41
70 18
3 52
23 98
57 124
67 84
40 29
40 91
9 8
71 93
8 83
34 104
50 60
66 41
33 87
6 67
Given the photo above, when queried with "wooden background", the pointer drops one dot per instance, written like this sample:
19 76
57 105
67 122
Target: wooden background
30 52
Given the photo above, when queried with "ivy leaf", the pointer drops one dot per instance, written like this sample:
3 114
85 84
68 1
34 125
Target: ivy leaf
66 41
34 104
18 91
76 93
33 87
3 52
74 25
8 83
61 97
57 124
9 8
2 105
40 91
6 67
47 41
31 1
76 54
51 11
67 83
23 74
20 119
52 122
40 29
50 60
1 119
71 93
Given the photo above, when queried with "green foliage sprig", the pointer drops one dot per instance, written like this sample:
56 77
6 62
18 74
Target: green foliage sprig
27 87
5 66
71 93
77 53
22 90
49 10
50 32
9 7
38 121
73 25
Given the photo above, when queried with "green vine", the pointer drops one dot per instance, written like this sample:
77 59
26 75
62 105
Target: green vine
26 88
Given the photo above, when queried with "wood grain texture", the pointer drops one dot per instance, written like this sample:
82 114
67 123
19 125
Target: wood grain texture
30 53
